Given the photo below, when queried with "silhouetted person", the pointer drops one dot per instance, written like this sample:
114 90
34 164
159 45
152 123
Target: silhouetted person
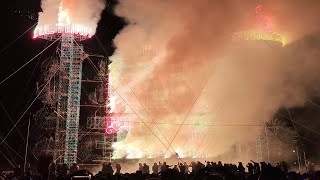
250 168
199 166
155 168
208 164
187 168
182 168
263 165
284 167
241 168
107 169
233 168
256 167
164 167
118 169
175 167
140 167
146 169
193 166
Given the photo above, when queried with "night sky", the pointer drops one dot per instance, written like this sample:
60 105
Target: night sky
19 91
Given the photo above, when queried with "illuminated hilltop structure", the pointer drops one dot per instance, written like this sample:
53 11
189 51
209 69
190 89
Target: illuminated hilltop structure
262 32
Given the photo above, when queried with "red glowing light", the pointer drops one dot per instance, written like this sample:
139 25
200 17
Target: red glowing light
263 21
116 123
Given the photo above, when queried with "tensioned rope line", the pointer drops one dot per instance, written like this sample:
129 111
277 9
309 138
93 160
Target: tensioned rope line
212 139
50 80
297 124
198 119
294 122
306 127
8 146
315 104
25 88
7 159
200 92
146 111
47 59
4 80
129 106
140 102
288 110
26 110
30 80
210 125
34 69
134 93
9 153
11 120
208 145
6 47
205 125
5 143
96 69
146 124
209 129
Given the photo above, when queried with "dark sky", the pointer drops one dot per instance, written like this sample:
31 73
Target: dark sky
18 92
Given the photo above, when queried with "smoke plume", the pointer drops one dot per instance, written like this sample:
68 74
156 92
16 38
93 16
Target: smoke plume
81 12
176 64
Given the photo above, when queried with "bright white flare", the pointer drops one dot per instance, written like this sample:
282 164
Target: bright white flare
69 16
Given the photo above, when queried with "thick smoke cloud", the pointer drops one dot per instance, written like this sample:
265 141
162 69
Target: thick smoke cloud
295 18
172 51
81 12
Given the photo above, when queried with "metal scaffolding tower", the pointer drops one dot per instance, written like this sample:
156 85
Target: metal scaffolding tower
68 109
65 106
259 148
78 121
98 122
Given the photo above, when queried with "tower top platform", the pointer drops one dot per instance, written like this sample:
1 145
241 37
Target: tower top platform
260 35
53 32
262 31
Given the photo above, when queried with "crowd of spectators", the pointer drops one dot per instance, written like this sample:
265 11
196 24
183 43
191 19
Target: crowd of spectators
180 171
